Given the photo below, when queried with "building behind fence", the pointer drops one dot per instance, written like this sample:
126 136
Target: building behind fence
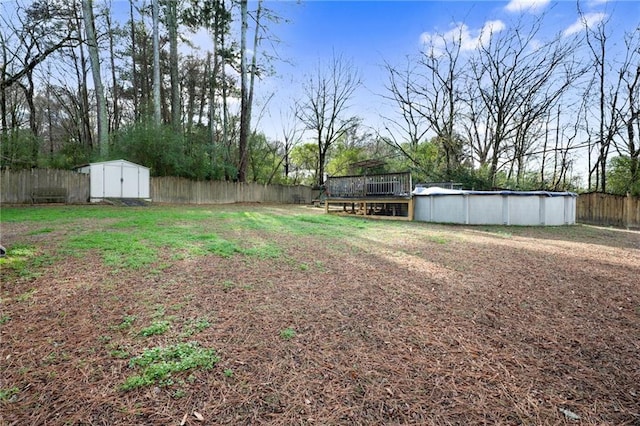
609 210
16 187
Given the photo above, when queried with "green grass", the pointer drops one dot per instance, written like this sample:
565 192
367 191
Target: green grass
18 259
118 248
312 224
135 242
139 238
134 238
157 365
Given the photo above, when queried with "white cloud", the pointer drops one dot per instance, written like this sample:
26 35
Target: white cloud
469 39
587 20
531 6
490 28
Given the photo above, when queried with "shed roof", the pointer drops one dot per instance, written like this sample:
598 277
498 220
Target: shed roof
111 162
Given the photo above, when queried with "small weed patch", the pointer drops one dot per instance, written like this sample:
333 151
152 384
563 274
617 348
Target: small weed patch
40 231
438 239
195 326
227 286
127 322
119 353
159 363
288 333
6 394
26 295
158 327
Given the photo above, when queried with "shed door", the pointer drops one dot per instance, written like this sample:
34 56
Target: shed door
120 181
130 181
112 181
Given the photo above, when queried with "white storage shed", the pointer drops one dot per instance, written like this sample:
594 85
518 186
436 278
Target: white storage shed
117 179
528 208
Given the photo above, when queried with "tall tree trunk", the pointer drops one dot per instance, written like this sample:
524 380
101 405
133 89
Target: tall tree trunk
156 62
89 27
245 110
29 92
3 92
172 24
225 104
49 117
134 75
602 159
253 71
80 63
115 122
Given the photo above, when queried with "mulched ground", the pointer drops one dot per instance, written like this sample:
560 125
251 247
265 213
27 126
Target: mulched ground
403 323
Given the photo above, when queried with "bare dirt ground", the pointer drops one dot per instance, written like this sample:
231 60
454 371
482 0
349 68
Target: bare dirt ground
399 323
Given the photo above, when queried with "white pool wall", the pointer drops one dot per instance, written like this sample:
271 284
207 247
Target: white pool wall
525 208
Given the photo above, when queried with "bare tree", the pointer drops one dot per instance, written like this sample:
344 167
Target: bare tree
517 82
428 95
326 97
291 136
615 85
606 121
410 127
28 37
441 91
628 110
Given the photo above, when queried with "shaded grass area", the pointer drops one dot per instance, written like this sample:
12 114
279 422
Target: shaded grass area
272 315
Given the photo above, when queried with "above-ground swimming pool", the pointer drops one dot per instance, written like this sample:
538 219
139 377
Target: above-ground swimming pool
527 208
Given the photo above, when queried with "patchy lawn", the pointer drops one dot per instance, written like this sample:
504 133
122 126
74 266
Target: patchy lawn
254 314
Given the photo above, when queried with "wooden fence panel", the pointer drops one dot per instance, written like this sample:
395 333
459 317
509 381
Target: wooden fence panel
16 186
185 191
608 210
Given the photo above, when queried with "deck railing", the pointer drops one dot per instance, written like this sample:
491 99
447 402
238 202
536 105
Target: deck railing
383 185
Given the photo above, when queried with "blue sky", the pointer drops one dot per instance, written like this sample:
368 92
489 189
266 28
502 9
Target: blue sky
372 32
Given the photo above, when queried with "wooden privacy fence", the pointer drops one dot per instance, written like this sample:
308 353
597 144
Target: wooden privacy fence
185 191
609 210
17 187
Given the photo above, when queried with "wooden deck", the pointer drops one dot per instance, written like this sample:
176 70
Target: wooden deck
385 196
